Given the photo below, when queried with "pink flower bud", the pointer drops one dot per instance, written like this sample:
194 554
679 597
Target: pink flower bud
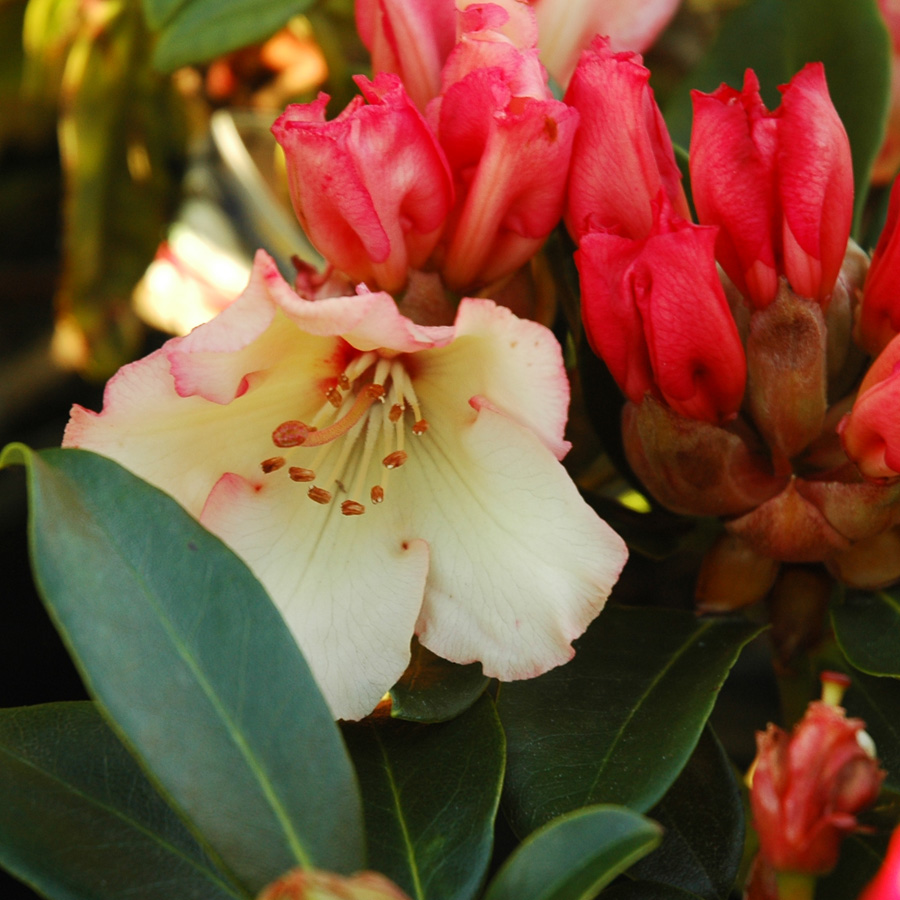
879 319
371 188
870 432
807 788
508 143
886 884
410 39
306 884
778 184
622 154
654 309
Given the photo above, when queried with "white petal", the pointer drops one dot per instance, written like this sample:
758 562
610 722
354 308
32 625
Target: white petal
520 564
349 589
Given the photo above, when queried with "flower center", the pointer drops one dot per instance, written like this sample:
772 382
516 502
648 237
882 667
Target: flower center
367 405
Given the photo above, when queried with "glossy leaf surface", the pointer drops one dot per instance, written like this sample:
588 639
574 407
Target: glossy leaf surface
574 856
703 820
193 31
194 665
430 794
80 819
433 689
618 723
867 628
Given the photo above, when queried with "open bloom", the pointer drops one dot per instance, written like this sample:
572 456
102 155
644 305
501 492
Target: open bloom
379 477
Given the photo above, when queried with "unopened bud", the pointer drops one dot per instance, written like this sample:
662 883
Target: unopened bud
309 884
733 575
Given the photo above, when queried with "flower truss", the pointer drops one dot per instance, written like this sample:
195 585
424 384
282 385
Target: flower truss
381 478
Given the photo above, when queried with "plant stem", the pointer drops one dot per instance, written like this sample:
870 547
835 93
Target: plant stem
795 885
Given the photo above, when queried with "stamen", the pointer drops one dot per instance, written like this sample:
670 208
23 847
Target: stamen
343 381
376 495
394 460
291 433
420 427
366 397
272 464
404 385
334 397
359 365
320 495
396 412
352 508
299 474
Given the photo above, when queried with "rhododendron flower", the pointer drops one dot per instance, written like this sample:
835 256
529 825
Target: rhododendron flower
870 432
622 156
312 884
879 313
508 143
779 185
371 188
381 478
808 787
654 309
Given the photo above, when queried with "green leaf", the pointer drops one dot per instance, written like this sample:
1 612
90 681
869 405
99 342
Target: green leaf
80 819
877 702
703 820
430 794
646 890
574 856
199 30
618 723
776 38
867 628
158 12
194 666
861 856
433 689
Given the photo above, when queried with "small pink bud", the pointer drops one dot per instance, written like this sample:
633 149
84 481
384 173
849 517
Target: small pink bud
886 884
309 884
879 319
807 788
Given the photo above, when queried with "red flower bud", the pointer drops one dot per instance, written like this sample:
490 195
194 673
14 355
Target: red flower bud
879 318
778 184
654 309
622 156
870 432
308 884
807 788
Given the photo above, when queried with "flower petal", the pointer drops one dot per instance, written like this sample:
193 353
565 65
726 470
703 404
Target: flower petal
349 590
521 564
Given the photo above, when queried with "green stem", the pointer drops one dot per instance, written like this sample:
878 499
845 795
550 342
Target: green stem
795 885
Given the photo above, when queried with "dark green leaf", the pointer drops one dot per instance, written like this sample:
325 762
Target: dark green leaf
776 38
430 794
80 819
861 856
646 890
877 702
574 856
703 820
158 12
867 628
433 689
618 723
200 30
194 666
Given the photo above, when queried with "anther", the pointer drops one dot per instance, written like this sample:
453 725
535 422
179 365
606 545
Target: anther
352 508
334 397
320 495
394 460
396 412
343 381
420 427
377 494
291 433
272 464
299 474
